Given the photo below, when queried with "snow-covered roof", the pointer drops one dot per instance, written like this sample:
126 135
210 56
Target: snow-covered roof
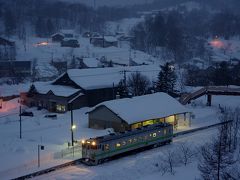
57 34
45 87
91 62
145 107
98 78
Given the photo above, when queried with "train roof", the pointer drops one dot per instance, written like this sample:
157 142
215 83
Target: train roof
119 135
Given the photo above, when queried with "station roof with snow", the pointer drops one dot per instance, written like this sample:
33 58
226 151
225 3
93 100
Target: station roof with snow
145 107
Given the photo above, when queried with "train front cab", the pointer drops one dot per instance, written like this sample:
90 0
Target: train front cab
89 149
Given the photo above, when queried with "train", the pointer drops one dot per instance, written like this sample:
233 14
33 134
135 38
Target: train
100 149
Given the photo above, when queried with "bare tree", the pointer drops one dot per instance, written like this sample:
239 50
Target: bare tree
138 84
218 157
186 153
168 162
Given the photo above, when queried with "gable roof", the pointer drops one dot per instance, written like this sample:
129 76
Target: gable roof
57 90
99 78
145 107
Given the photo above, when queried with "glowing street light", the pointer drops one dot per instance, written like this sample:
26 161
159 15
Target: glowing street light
74 127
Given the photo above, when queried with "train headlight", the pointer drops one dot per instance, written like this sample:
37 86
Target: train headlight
93 143
83 141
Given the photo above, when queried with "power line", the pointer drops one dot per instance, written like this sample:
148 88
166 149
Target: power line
119 72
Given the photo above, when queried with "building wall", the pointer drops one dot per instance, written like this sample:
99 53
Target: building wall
99 95
102 118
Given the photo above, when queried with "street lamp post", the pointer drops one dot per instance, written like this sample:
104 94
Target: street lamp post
40 147
72 124
20 120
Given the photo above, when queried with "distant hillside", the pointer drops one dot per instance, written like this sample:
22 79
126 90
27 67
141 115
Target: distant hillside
109 2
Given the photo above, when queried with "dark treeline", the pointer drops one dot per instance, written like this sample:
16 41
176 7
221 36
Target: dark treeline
44 17
182 36
220 75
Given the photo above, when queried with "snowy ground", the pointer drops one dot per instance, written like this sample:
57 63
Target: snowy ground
140 166
20 156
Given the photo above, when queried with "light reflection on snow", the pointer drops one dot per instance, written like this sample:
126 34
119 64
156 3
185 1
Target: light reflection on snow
7 106
44 43
217 43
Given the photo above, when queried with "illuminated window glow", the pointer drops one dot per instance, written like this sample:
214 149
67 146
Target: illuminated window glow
118 145
60 108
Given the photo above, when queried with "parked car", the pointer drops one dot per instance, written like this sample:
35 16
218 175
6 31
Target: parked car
26 113
53 116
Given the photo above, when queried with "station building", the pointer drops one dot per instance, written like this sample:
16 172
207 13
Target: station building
131 113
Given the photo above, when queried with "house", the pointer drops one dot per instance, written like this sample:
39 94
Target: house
54 98
70 42
87 34
68 33
104 41
7 50
95 85
15 68
89 63
131 113
57 37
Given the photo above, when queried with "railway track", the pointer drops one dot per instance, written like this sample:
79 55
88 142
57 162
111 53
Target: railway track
79 161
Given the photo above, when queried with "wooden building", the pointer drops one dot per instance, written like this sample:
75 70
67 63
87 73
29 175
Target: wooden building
15 68
132 113
7 50
57 37
81 87
104 41
53 98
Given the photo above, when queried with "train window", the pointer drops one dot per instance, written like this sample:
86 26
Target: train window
134 140
165 131
130 141
145 137
118 145
154 134
124 143
106 147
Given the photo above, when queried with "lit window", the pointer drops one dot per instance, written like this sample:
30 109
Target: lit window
165 131
124 143
149 122
106 147
60 108
130 140
154 134
118 145
150 135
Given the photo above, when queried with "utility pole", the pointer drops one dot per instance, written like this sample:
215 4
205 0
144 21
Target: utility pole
113 91
20 120
72 124
125 79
